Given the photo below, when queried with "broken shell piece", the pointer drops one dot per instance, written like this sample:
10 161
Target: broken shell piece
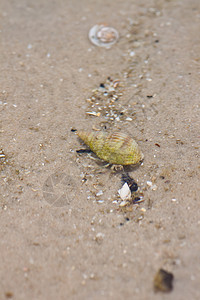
103 36
152 186
125 192
99 193
93 113
123 203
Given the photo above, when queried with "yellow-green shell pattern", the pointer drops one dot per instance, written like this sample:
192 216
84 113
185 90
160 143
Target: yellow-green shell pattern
115 148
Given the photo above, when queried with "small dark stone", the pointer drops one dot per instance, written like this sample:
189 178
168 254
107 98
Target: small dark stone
149 96
121 224
156 41
133 187
167 181
162 177
102 85
73 130
127 219
163 281
9 295
156 144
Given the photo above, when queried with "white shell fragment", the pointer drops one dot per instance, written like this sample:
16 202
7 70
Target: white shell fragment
123 203
125 192
103 36
99 193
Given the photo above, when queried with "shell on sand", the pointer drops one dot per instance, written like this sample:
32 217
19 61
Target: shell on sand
103 36
115 148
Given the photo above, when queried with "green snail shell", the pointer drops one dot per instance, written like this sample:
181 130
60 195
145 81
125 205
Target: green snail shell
115 148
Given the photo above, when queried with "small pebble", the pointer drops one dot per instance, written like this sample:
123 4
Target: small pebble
132 53
143 209
163 281
29 46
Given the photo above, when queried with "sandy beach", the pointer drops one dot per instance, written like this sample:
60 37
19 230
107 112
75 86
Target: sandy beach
63 231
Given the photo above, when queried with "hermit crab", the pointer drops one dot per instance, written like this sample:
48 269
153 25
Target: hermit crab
115 148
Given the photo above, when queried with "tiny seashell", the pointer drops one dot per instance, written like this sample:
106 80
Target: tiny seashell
115 148
125 192
103 36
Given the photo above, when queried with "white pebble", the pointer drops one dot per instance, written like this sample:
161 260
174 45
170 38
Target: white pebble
29 46
132 53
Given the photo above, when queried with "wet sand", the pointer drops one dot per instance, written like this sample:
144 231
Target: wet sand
63 232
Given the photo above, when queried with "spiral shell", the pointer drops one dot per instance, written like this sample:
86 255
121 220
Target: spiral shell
115 148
